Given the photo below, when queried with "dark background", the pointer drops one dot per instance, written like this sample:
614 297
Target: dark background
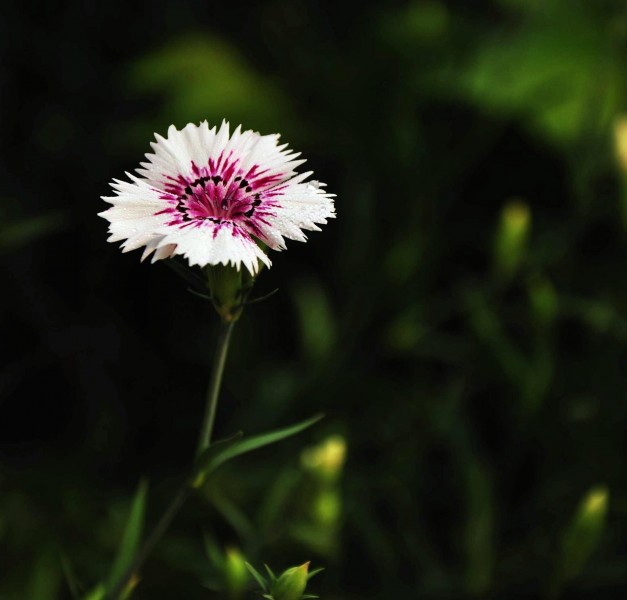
463 321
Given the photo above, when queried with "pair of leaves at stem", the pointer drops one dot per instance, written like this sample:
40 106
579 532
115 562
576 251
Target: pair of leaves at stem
213 457
276 588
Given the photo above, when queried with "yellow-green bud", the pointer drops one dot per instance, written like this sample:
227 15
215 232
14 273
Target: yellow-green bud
583 534
326 459
235 574
620 141
291 584
511 238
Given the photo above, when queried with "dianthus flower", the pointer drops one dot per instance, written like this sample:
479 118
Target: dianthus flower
211 197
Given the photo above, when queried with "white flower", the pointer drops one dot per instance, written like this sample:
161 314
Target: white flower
209 196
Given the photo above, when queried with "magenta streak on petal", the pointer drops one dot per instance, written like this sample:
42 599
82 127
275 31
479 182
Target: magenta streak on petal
222 195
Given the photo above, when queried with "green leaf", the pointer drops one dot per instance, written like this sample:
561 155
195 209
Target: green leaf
131 537
259 578
98 593
44 578
478 533
213 552
204 463
271 573
232 514
258 441
314 572
318 326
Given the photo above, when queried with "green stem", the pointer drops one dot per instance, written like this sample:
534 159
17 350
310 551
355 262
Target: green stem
213 392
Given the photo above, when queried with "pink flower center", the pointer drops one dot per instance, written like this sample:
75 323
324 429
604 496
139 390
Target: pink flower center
221 193
211 198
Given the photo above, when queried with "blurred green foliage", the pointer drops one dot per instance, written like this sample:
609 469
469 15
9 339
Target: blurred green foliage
561 71
463 322
202 77
20 231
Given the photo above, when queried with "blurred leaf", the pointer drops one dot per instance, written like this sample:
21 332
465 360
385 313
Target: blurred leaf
489 328
314 572
131 537
45 579
258 441
479 532
422 21
232 514
204 77
405 329
15 234
258 577
270 573
98 593
213 552
403 258
544 300
318 328
557 72
205 462
273 505
600 316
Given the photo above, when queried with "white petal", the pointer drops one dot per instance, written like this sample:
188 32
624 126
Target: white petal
231 245
132 216
151 246
302 206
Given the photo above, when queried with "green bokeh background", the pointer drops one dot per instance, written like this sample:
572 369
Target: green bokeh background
462 323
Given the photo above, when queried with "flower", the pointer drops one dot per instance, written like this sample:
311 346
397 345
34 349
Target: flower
211 197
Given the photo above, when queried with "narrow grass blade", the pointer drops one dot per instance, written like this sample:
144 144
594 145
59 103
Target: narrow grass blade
258 577
131 537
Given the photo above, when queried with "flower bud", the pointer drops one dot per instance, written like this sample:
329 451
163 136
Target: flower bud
620 142
511 238
225 284
235 574
584 532
326 459
291 584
